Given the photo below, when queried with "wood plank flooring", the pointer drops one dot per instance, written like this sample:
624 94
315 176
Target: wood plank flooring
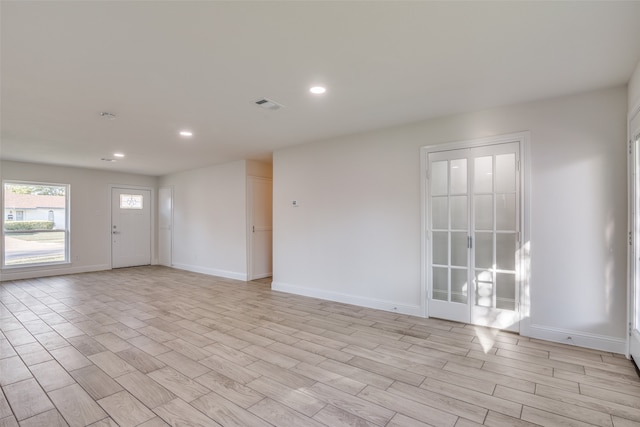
153 346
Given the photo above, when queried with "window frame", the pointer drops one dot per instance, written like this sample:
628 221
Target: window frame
67 228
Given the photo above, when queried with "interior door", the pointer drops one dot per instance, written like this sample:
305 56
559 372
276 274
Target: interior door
634 292
495 213
165 225
449 235
473 228
130 227
260 194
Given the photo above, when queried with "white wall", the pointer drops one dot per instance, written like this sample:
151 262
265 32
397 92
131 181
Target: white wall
355 236
90 242
209 219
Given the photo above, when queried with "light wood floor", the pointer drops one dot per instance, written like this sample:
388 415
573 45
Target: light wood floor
152 346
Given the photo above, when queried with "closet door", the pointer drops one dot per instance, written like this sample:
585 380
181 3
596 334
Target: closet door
473 235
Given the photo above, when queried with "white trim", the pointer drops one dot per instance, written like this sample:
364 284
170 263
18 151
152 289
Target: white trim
632 243
171 188
581 339
480 142
525 175
411 310
62 270
424 307
211 271
523 139
633 112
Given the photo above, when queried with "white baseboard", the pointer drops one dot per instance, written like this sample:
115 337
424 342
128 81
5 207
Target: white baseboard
581 339
412 310
211 271
261 276
50 271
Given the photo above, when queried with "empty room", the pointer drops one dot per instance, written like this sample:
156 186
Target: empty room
320 213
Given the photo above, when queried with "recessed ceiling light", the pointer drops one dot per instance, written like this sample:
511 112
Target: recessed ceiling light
118 155
318 90
186 133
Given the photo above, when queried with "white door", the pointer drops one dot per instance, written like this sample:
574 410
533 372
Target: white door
165 225
634 292
130 227
473 235
260 199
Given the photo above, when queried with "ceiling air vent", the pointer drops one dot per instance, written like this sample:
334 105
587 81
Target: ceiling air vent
268 104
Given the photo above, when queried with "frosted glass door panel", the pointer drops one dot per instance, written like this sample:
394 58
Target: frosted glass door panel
505 291
483 216
459 285
440 247
459 176
459 249
506 251
506 173
440 212
484 250
505 212
483 177
459 213
439 179
440 283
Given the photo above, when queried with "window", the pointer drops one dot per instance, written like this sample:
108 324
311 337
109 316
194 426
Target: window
130 201
35 227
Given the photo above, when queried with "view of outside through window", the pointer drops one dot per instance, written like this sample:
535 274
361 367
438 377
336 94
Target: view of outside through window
35 224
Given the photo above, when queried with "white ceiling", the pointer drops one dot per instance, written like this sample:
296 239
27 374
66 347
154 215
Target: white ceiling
166 66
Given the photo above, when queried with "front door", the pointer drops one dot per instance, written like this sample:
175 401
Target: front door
473 235
130 227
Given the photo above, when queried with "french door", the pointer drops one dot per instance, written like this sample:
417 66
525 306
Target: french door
473 235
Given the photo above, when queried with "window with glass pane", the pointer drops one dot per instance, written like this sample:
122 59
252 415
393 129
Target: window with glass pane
35 224
130 201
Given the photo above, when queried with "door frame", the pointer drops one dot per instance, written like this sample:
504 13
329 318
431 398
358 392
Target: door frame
633 251
154 207
523 139
171 190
